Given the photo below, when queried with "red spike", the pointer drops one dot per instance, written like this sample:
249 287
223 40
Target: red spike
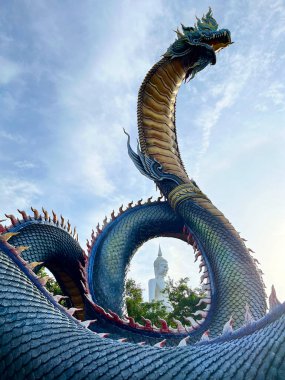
147 324
24 215
113 215
98 308
88 322
160 344
102 335
36 213
273 300
84 287
85 257
132 322
14 221
115 316
197 254
2 229
73 310
54 219
81 266
121 209
164 326
43 280
46 215
122 340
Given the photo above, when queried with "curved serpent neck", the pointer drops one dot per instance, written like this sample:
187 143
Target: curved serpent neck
156 115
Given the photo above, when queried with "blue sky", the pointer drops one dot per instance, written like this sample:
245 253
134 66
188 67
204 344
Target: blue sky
69 76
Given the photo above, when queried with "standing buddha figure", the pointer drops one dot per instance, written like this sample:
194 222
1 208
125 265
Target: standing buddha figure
157 285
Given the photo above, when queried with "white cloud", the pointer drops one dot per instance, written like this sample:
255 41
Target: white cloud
278 14
275 92
17 193
9 70
226 94
25 164
13 137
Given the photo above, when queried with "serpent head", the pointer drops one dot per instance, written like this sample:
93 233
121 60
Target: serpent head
204 36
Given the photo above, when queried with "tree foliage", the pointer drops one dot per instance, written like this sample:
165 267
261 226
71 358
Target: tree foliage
181 297
52 285
137 308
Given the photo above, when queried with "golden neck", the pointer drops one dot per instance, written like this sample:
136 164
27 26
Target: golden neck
156 115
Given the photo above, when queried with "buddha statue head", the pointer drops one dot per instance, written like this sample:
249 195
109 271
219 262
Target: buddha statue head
160 265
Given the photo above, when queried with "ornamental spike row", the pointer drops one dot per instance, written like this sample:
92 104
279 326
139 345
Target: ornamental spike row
113 216
130 321
37 216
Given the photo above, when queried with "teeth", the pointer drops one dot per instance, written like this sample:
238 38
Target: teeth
180 327
202 265
206 287
197 254
208 307
203 313
204 275
194 324
189 329
204 300
208 294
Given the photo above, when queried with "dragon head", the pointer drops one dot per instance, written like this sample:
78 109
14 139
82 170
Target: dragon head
197 46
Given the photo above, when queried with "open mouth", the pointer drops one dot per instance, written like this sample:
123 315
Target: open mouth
219 40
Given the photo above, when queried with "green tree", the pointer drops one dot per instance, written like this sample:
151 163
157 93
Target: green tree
181 297
52 285
137 308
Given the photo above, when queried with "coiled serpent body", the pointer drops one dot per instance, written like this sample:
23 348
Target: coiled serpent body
41 339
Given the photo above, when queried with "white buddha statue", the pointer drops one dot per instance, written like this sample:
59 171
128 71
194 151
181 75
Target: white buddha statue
157 285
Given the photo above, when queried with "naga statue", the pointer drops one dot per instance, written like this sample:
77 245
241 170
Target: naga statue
229 336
